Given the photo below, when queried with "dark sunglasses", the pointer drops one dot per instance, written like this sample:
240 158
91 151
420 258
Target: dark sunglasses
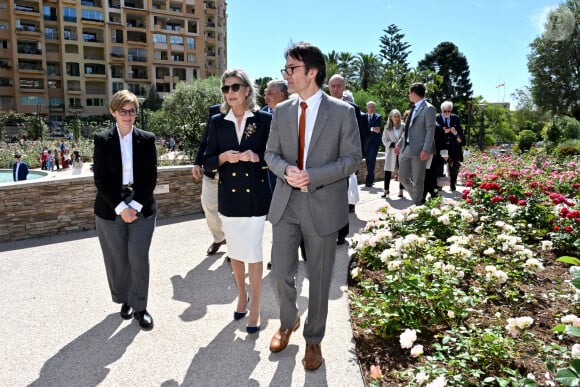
235 87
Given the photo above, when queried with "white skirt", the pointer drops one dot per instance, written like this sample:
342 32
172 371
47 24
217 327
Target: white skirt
244 237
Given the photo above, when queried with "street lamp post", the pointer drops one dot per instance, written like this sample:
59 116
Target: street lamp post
142 110
481 128
77 129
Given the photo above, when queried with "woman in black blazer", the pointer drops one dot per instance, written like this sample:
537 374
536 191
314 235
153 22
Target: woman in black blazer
125 173
235 148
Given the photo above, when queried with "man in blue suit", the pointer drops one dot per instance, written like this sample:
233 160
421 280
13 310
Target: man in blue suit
371 148
450 124
19 169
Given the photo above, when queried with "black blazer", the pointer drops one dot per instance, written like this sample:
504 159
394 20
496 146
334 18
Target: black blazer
213 110
451 143
243 187
108 171
363 126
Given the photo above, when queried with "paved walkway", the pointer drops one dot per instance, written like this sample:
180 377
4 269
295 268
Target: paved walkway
59 327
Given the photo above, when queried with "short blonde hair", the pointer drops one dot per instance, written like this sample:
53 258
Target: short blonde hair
121 98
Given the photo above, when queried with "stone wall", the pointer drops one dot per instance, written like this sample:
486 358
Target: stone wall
38 208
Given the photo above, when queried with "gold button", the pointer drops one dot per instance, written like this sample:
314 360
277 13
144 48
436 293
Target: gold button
233 174
233 190
247 190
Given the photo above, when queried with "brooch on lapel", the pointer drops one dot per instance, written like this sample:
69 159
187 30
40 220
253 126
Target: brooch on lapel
250 129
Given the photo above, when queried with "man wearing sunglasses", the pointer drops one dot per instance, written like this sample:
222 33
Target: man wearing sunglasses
313 147
454 140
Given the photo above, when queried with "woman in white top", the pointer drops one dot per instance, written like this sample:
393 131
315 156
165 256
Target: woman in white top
394 129
77 163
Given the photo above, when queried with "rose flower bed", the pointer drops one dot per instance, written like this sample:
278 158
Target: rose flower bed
470 292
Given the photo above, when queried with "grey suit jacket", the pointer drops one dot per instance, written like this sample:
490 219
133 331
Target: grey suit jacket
421 131
334 153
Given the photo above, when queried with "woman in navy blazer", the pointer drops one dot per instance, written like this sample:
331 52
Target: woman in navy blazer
235 148
125 173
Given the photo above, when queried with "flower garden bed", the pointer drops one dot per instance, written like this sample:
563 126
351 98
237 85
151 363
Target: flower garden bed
468 293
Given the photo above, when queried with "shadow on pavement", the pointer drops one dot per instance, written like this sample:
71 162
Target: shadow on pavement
84 361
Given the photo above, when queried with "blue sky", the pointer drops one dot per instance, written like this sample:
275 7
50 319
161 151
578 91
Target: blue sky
494 35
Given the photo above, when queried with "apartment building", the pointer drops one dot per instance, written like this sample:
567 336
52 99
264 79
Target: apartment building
65 57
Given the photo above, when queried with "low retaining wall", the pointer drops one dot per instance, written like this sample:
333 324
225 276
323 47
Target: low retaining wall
38 208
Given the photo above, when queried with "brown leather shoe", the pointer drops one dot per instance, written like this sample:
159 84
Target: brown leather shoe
214 247
313 358
282 337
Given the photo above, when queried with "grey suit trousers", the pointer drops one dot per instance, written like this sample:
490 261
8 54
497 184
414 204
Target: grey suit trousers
412 174
296 223
125 249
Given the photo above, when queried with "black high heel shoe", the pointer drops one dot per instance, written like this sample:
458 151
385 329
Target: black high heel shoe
255 329
241 315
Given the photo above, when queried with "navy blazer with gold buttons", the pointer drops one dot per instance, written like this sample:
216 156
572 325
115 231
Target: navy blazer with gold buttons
243 188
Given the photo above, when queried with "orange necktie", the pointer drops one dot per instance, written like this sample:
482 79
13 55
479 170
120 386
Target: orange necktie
301 135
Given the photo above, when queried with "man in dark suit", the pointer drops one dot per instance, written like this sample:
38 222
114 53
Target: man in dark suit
371 146
312 156
417 144
19 169
454 140
209 190
125 173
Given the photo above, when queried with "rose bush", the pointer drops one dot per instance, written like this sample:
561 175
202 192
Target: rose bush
476 280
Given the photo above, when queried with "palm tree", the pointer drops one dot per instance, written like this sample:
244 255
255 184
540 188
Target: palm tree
346 65
368 68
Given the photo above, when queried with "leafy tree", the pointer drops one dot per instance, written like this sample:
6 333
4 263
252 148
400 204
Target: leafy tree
185 110
394 51
261 84
447 61
527 116
153 101
498 122
393 85
346 65
554 62
367 69
527 138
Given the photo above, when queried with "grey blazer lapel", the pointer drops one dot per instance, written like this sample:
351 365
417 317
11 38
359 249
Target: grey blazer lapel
319 124
417 113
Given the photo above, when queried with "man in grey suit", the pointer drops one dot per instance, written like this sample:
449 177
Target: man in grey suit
310 200
417 145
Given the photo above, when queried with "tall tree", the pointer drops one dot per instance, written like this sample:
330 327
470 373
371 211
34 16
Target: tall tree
346 66
447 61
554 62
393 50
367 69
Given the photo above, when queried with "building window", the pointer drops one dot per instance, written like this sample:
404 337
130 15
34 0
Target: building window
191 57
92 15
69 14
178 40
190 43
118 86
96 102
31 100
55 102
159 38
